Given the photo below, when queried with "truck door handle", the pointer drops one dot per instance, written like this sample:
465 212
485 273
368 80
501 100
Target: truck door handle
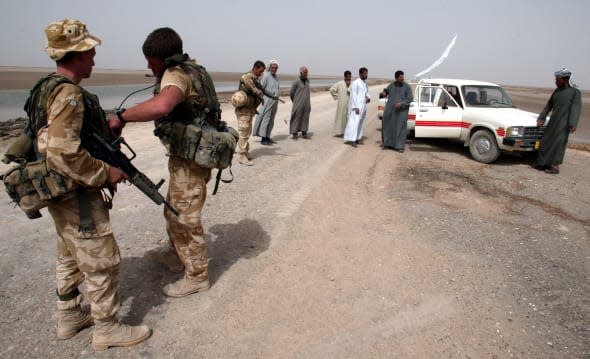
423 110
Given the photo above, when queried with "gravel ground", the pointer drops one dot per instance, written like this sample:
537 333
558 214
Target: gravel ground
321 250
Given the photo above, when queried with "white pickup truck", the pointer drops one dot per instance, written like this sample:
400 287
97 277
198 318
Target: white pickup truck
478 114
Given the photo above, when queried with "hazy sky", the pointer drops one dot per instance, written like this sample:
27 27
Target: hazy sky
517 42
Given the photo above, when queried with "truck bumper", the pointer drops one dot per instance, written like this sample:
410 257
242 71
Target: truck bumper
521 144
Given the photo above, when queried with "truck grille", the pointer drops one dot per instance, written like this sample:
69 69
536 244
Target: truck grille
533 133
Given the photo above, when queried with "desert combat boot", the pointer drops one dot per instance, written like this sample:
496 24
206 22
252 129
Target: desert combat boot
186 286
71 321
110 333
243 159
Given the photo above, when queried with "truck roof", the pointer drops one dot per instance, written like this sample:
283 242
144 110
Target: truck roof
457 82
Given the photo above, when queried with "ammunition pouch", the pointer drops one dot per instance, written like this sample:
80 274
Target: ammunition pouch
32 186
208 146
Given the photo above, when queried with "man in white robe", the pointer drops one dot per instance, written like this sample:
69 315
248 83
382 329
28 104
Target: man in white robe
340 92
357 109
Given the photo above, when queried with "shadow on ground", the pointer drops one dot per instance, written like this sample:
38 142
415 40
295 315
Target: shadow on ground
233 241
141 282
142 278
264 151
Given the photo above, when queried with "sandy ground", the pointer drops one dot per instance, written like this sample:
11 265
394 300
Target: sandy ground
321 250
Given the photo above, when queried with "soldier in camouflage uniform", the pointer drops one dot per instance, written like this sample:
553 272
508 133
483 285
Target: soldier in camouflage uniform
249 84
86 247
179 100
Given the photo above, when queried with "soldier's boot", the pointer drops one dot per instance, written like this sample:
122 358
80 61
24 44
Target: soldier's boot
186 286
71 321
244 160
111 333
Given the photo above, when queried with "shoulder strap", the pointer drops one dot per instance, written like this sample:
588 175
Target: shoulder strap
36 104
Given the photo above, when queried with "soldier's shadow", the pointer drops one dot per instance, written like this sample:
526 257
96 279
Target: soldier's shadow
234 241
142 278
264 151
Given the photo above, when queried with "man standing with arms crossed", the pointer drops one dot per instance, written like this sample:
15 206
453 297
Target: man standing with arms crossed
340 92
357 109
267 112
179 102
86 247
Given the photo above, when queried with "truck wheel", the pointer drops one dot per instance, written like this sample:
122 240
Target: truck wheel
483 146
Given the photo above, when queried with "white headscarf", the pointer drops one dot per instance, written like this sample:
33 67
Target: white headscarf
563 73
566 73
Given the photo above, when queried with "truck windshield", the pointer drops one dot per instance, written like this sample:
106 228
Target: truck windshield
485 96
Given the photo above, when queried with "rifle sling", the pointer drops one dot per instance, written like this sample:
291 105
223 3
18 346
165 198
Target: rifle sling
218 179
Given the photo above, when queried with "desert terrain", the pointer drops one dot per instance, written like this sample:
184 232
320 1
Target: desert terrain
321 250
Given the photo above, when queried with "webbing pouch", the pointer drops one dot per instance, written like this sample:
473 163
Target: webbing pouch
49 184
175 138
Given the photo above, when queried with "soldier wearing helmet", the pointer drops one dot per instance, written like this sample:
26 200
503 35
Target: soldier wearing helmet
86 248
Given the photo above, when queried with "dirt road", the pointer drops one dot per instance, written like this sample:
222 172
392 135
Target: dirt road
321 250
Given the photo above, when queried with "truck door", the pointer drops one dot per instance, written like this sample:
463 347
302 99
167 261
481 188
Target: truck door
437 114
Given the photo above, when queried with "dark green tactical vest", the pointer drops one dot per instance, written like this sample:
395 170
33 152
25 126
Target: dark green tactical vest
31 184
194 130
36 109
204 107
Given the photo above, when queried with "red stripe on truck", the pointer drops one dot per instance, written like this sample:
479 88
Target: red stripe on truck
443 124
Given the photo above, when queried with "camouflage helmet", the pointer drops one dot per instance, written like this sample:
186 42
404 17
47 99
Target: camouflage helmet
239 98
68 35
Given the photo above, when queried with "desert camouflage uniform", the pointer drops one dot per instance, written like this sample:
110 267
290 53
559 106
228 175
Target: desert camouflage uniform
92 255
187 192
245 113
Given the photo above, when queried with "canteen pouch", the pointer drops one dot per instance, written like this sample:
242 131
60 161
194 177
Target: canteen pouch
207 146
184 140
19 150
216 148
179 139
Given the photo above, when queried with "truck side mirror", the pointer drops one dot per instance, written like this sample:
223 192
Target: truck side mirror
445 106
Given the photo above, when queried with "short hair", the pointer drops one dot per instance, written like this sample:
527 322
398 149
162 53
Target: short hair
398 73
347 73
258 64
67 58
362 70
162 43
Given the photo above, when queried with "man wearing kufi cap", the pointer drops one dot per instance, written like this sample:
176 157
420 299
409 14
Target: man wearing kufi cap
61 113
565 106
268 111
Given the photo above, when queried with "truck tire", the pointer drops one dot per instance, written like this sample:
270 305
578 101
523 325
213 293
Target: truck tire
483 146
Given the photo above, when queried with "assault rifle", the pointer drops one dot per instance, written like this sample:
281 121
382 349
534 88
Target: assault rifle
267 94
111 154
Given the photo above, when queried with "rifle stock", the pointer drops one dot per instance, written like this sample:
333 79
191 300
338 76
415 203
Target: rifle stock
111 154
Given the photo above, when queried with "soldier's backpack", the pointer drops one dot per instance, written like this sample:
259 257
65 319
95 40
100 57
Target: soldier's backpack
30 183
